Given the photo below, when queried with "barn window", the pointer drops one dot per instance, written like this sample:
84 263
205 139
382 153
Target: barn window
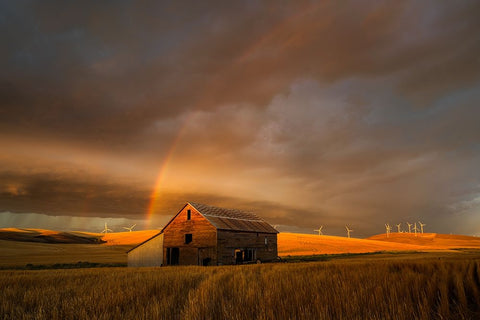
188 238
249 255
266 240
189 214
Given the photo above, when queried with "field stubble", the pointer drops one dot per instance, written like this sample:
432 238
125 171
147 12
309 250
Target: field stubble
357 289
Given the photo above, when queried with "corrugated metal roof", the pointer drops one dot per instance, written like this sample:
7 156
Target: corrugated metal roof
233 219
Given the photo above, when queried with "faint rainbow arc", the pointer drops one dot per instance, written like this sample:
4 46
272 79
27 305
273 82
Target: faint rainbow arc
163 169
209 90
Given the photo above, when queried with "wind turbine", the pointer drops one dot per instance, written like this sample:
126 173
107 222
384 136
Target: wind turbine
319 230
348 231
415 229
398 227
106 230
130 228
409 227
421 226
388 229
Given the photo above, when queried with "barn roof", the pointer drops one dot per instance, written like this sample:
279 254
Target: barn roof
233 219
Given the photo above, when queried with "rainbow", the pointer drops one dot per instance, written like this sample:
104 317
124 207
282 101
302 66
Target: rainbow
204 99
155 195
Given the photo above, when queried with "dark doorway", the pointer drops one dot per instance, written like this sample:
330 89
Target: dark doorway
238 256
173 255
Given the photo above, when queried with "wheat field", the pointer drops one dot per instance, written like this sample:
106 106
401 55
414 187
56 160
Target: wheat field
426 288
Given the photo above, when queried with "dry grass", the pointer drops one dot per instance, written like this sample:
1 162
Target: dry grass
17 253
432 288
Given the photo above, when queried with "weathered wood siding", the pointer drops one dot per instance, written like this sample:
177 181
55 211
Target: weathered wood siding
204 238
229 241
149 254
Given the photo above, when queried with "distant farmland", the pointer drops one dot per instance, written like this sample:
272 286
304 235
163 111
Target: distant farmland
19 247
443 287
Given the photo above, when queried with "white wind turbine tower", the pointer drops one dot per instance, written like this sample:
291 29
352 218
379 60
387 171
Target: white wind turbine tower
130 228
388 229
319 230
106 230
421 226
398 227
348 231
415 229
409 227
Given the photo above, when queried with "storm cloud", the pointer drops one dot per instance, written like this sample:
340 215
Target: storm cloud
308 113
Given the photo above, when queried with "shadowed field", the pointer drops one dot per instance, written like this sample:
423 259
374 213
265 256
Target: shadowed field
49 236
76 237
431 288
13 253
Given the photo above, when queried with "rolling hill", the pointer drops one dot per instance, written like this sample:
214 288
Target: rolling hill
308 244
430 240
38 246
49 236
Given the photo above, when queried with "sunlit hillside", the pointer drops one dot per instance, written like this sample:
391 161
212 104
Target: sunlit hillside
430 240
307 244
128 238
38 246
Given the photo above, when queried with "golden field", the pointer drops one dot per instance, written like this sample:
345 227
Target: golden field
421 277
433 286
19 247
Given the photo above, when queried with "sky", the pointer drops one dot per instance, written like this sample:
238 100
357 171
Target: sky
306 113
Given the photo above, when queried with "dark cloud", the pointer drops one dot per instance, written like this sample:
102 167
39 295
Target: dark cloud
333 111
60 195
100 71
91 197
388 161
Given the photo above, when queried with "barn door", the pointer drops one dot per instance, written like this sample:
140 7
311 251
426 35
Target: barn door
173 256
238 256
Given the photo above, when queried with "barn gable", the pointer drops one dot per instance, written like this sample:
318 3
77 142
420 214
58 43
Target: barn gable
182 211
189 238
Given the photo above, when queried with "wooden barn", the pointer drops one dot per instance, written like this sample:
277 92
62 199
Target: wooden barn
205 235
